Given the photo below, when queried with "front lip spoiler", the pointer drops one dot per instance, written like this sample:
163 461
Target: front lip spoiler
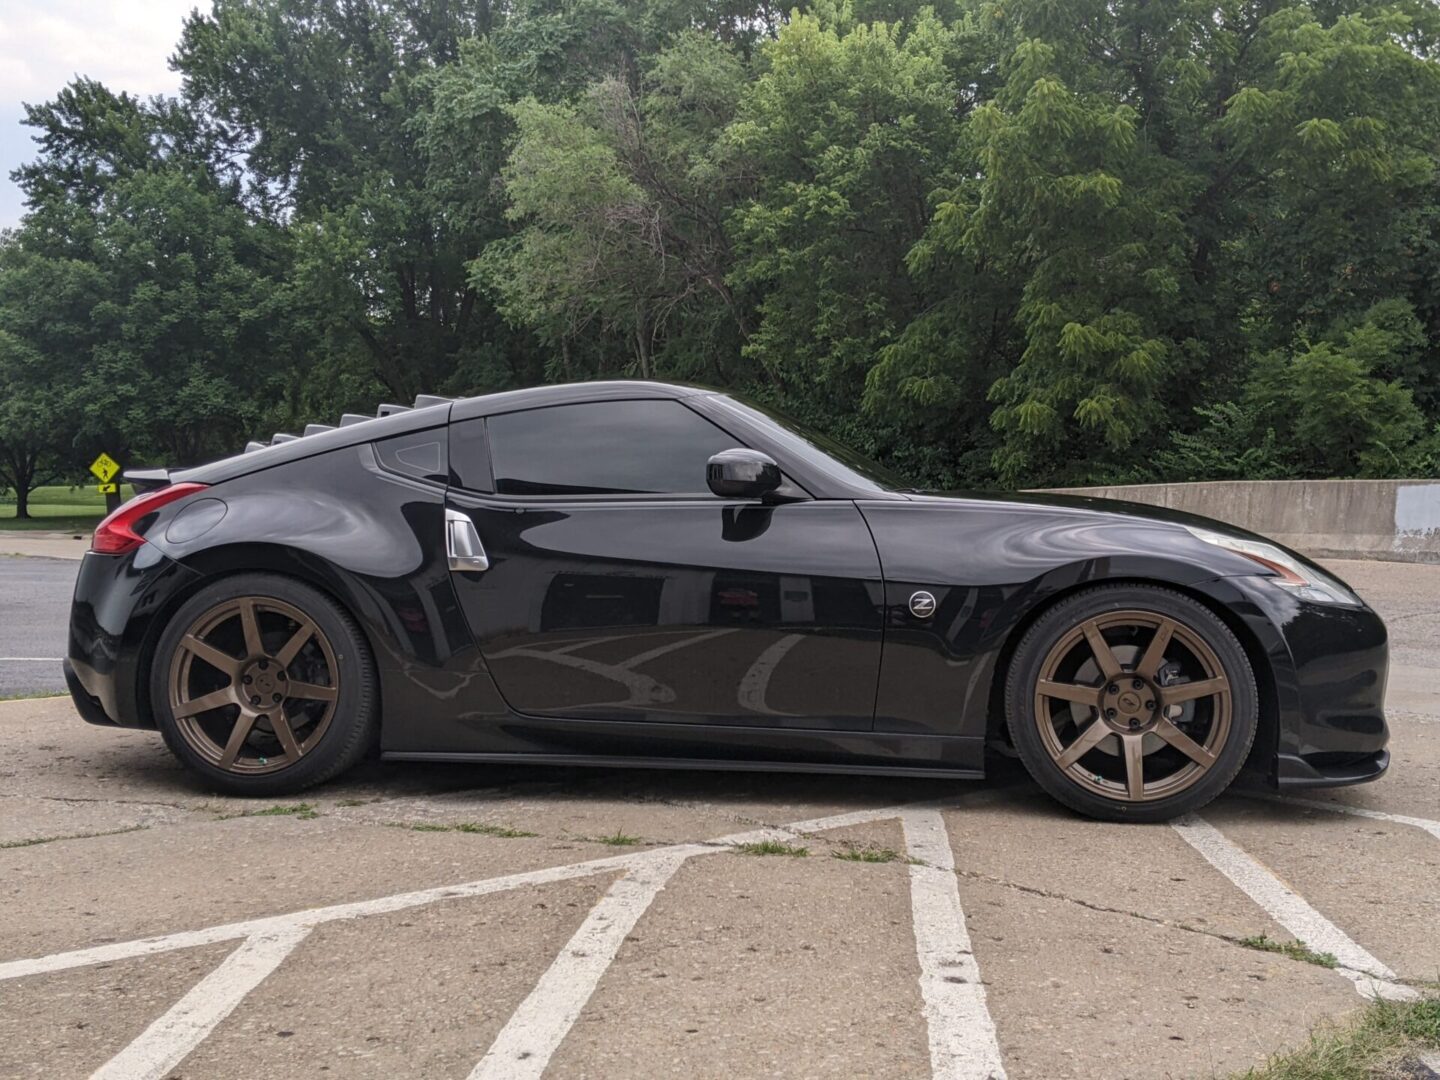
86 704
1293 771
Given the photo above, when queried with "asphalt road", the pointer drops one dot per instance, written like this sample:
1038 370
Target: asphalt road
489 922
34 615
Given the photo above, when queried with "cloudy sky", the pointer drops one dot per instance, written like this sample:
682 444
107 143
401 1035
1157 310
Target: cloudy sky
45 43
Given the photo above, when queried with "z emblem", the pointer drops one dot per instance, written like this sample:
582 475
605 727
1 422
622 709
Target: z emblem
922 605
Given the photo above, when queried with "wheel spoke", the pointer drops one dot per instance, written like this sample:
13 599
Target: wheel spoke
285 734
1090 738
238 734
1186 745
221 661
1149 664
1134 765
250 623
311 691
286 656
205 702
1104 658
1173 695
1081 695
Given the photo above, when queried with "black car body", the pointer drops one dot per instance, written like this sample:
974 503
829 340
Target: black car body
621 613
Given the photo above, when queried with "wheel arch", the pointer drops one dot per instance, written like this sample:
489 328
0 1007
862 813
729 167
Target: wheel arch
1267 735
230 560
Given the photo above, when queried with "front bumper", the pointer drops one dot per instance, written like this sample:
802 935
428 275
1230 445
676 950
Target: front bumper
1327 694
119 607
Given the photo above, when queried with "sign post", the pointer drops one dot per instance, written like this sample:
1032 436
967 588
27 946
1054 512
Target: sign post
106 469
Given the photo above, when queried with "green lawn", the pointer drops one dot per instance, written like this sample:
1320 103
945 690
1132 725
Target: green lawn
58 508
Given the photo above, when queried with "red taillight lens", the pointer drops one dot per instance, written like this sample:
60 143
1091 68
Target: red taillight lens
116 534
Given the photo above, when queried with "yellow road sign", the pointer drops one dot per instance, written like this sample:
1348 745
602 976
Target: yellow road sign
105 467
107 489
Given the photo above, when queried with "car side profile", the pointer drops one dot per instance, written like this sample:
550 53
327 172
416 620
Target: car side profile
643 574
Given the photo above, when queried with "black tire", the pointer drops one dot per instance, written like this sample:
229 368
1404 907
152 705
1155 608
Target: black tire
1027 702
352 713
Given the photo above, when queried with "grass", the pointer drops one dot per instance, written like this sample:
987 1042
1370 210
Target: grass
31 696
58 509
617 839
1295 950
68 836
302 811
866 853
473 827
772 847
1374 1045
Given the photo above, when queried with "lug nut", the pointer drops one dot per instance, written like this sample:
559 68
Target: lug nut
1112 688
254 699
1134 724
1149 705
275 698
1110 714
264 665
246 680
280 675
1137 684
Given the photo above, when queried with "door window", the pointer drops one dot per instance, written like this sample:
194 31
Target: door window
604 448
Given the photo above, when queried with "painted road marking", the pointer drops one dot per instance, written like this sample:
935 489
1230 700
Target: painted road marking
962 1034
963 1044
169 1040
1291 910
534 1032
1432 827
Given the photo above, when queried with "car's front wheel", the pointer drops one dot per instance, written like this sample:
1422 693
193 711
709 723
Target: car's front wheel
1132 703
264 686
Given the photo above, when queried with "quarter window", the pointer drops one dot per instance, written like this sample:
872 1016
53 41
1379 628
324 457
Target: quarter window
604 448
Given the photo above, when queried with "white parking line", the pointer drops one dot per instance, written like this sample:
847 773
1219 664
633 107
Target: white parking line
525 1045
1291 910
1432 827
963 1044
961 1031
167 1042
31 660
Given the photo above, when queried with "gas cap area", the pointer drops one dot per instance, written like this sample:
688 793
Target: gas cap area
195 520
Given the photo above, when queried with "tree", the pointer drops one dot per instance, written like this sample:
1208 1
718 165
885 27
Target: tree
621 200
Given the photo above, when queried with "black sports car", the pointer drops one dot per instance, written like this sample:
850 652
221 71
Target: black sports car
634 573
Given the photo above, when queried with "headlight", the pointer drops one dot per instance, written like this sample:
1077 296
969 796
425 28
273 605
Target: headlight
1306 582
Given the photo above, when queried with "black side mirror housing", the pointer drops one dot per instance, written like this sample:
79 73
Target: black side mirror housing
742 474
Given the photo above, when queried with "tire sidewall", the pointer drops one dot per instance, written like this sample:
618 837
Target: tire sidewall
1048 629
352 725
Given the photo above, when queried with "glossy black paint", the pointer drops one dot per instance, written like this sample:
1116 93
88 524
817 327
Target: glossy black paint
694 629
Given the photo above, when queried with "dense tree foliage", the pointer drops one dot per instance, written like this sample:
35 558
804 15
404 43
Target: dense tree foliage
1029 242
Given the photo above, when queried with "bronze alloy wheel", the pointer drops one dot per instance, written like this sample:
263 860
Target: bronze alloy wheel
1133 705
253 685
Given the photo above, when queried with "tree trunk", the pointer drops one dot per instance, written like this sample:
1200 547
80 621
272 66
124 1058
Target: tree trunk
22 501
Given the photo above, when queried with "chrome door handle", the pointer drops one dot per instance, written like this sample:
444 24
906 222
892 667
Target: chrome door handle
462 543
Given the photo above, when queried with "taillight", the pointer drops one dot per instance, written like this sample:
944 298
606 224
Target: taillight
116 534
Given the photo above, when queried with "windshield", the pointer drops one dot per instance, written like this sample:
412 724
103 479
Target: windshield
819 451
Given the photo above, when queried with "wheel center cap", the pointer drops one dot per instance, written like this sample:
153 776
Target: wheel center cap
263 685
1129 701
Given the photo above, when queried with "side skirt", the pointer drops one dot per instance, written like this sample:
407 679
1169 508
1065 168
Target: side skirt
640 744
715 764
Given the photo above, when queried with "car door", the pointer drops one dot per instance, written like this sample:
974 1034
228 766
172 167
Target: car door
616 586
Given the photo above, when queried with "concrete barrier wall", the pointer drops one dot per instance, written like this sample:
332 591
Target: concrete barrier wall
1369 519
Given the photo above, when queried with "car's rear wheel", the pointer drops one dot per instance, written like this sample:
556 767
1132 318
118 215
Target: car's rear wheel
1132 703
264 686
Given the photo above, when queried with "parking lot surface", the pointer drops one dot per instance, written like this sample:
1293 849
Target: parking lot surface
518 922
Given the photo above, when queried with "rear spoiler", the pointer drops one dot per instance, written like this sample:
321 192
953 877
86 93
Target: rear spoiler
143 480
422 401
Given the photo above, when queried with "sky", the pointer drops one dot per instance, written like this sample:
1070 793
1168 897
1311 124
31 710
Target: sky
45 43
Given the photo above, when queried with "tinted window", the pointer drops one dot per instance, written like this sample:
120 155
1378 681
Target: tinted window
603 448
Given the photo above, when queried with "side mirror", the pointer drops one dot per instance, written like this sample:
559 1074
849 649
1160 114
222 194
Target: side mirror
742 474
